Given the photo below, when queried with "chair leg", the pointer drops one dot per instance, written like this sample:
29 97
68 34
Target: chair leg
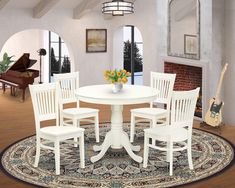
37 152
57 157
146 151
167 118
132 131
75 138
82 152
78 123
97 134
189 150
153 123
168 152
171 157
61 118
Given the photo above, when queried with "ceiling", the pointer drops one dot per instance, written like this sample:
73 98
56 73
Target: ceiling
32 3
42 7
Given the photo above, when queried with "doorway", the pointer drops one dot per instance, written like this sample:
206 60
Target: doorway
21 42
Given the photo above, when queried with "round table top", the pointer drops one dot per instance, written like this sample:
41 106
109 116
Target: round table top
103 94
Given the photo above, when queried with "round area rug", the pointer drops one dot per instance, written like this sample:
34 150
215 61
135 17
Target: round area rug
211 154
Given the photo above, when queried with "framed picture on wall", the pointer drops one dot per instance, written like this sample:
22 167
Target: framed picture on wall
190 44
96 40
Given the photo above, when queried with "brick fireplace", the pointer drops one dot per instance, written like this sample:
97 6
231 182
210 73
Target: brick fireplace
187 77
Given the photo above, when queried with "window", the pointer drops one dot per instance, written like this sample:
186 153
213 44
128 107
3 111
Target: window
133 38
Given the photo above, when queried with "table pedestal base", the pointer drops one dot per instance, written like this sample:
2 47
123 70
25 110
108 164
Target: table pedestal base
116 138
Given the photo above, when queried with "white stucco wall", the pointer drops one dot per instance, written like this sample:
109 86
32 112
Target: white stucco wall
118 49
25 41
229 78
217 43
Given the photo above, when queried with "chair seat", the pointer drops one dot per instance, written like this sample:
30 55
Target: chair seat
79 111
149 111
57 131
162 133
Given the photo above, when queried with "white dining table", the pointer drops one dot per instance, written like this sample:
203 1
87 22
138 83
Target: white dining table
116 138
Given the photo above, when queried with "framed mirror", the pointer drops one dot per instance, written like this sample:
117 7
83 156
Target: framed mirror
184 29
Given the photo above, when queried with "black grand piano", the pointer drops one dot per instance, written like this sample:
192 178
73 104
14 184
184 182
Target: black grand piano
19 75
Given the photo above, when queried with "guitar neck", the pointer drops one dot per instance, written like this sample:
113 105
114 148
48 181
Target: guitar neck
217 99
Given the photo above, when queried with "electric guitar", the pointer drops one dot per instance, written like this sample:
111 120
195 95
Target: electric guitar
214 114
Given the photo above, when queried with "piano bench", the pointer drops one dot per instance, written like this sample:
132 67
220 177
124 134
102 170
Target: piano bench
12 85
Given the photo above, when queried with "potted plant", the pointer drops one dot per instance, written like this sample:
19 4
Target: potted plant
5 63
117 78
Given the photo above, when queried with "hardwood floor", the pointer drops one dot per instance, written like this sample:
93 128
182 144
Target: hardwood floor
17 122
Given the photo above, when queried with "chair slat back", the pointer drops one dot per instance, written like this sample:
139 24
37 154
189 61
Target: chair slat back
45 102
68 83
183 107
164 83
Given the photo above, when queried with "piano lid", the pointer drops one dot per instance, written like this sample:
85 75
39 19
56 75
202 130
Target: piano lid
23 63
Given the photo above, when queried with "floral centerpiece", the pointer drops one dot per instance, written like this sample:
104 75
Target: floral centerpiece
117 77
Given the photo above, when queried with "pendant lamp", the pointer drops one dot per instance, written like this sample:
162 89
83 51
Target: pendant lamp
118 7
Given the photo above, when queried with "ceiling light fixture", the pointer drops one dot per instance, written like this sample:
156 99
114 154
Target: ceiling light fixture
118 7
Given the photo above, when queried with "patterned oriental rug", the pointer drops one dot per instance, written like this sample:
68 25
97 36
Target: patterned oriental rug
211 154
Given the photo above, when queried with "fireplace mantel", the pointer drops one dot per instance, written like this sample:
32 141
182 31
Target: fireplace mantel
184 61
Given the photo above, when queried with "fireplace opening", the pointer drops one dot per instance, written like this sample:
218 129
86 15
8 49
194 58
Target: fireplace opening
187 78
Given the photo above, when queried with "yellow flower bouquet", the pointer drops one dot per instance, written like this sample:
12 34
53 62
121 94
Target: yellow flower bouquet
116 76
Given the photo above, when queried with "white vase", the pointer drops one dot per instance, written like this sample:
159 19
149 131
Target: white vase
117 87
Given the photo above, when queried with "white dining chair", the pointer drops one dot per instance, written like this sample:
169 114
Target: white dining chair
68 83
45 106
164 83
177 136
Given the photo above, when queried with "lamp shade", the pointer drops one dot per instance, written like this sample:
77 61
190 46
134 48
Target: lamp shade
118 7
42 51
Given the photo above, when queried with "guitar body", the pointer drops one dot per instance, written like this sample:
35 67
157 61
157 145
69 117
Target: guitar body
214 114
